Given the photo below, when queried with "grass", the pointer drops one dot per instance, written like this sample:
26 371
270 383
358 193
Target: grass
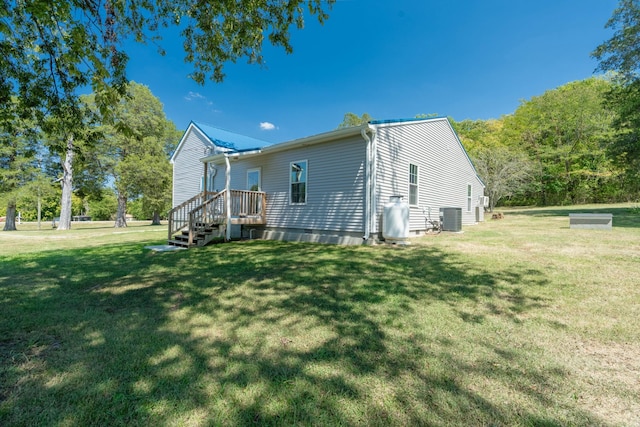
521 321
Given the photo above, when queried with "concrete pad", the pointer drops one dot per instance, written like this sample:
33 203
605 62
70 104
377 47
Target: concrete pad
164 248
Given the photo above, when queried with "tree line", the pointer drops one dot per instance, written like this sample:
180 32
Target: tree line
110 164
562 147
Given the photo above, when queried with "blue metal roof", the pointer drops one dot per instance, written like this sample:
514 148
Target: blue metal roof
233 141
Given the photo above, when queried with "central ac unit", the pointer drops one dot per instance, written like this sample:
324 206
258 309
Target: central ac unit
451 219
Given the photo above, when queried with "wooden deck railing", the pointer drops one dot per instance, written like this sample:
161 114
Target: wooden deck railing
211 212
203 210
179 216
248 207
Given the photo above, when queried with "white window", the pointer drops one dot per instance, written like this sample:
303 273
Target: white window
253 180
298 182
469 197
413 184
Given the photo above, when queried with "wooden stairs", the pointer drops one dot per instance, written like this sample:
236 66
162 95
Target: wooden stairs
203 218
203 234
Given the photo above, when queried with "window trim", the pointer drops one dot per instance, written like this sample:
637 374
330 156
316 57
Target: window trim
415 185
306 182
469 197
259 170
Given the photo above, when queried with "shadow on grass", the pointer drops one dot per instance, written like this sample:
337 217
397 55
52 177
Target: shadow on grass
264 333
625 217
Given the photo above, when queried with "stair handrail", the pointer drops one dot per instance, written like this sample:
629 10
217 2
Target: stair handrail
208 213
179 216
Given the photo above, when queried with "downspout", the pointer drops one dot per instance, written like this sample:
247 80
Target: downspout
369 181
227 187
374 180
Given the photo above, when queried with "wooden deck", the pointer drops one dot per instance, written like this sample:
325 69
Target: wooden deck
194 222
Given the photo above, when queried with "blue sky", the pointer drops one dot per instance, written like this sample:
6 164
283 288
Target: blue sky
466 59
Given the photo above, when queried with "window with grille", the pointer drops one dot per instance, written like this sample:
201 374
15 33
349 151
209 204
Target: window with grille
413 184
298 182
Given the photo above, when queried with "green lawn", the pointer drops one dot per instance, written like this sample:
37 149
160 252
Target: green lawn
520 321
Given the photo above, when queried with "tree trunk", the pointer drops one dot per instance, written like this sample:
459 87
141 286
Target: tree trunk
10 219
156 218
67 187
121 218
39 209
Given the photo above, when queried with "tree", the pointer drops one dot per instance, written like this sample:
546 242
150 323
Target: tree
133 151
566 131
351 119
70 139
625 145
149 178
621 54
505 170
103 206
18 147
50 49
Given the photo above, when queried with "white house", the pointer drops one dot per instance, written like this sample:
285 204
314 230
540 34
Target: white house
331 187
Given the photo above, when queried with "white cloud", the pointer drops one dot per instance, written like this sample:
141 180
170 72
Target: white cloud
194 95
267 126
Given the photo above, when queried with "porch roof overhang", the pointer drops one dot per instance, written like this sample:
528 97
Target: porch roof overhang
296 143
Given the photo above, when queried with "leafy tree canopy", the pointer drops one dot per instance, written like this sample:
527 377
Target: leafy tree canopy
351 119
50 49
566 131
133 150
621 53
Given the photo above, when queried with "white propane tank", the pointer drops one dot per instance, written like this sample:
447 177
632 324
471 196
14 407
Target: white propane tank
395 219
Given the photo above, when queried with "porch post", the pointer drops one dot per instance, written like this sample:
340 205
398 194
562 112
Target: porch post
227 187
204 184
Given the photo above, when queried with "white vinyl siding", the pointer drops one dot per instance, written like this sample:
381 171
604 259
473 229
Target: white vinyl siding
335 198
187 168
444 169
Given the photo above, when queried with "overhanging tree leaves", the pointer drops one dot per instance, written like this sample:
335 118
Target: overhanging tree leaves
621 54
50 50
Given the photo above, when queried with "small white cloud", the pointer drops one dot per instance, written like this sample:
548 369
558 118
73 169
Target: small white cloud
194 95
267 126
